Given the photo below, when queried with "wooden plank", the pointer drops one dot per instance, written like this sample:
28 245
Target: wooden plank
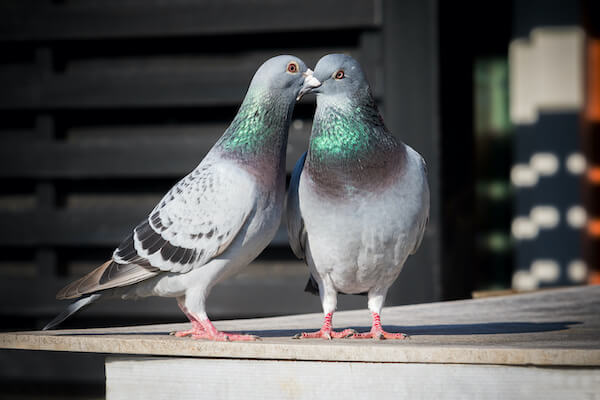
552 328
152 81
370 56
20 83
30 20
158 378
100 226
46 261
410 43
163 153
126 57
128 89
248 294
139 91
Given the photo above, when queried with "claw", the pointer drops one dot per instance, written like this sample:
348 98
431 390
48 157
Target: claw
197 329
380 335
320 334
326 332
205 330
377 332
350 333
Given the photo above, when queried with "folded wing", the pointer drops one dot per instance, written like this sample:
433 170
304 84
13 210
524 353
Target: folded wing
295 224
195 221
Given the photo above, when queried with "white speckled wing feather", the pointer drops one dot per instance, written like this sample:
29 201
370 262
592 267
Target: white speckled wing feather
195 221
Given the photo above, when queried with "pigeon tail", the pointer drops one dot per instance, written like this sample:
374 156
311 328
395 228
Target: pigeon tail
72 309
312 286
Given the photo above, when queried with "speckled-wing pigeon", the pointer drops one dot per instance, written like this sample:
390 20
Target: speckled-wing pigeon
214 221
358 201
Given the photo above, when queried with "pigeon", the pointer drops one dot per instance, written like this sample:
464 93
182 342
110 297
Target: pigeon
215 220
358 201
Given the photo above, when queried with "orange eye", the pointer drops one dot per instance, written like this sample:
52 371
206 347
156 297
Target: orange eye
292 67
339 75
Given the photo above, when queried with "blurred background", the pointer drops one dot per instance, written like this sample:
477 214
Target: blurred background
106 104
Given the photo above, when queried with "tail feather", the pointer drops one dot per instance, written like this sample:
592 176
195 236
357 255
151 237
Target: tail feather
72 309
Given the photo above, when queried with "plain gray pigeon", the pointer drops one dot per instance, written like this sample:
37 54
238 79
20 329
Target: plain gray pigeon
358 201
214 221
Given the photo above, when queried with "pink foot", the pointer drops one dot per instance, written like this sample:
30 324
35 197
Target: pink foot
209 332
377 332
380 334
225 337
204 329
196 330
326 332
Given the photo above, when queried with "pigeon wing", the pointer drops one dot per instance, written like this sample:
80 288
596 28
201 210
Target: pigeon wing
194 222
295 223
424 219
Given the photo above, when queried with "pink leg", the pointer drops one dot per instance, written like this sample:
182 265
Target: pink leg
204 329
197 327
211 333
326 332
377 331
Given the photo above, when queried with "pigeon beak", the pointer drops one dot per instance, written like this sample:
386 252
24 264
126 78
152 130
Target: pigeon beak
310 83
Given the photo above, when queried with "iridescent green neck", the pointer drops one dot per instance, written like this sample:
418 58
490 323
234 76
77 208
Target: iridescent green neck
260 126
350 149
346 130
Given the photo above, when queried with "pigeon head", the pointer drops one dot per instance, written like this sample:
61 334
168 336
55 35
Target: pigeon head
336 74
283 73
258 133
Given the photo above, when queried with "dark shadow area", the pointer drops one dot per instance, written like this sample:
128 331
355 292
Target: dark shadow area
22 389
489 328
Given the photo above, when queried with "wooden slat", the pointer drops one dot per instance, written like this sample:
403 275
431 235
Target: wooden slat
370 56
126 89
35 20
19 84
411 111
158 155
263 288
101 226
177 81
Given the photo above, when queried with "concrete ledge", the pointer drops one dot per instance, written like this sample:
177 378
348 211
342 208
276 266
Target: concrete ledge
548 328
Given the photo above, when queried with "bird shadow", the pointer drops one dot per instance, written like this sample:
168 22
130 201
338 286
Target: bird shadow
487 328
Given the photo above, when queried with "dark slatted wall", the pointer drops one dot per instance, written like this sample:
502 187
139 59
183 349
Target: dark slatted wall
105 104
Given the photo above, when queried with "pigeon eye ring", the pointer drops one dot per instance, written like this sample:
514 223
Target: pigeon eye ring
292 67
